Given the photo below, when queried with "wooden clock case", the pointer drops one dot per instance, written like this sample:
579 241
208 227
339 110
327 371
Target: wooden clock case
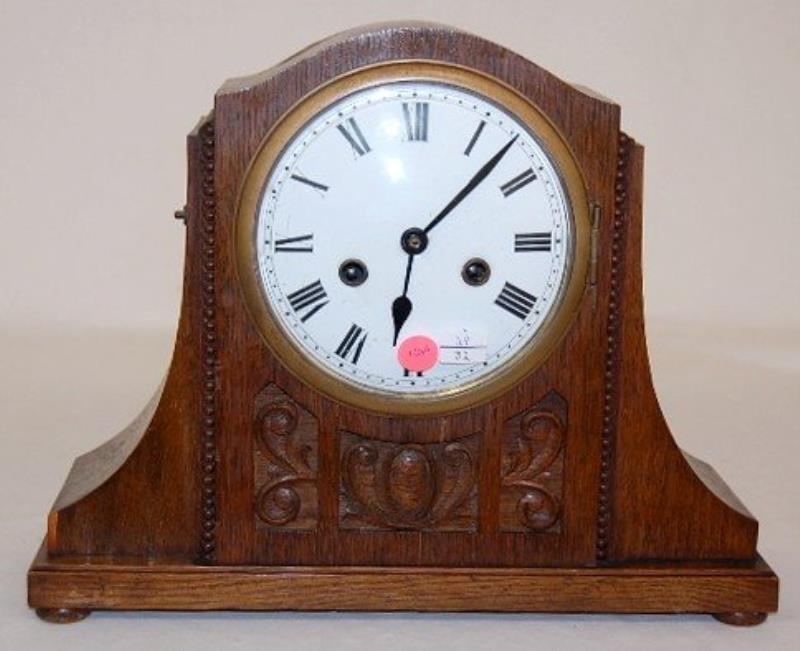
242 487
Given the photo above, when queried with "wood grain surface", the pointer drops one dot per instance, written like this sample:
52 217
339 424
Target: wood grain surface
664 588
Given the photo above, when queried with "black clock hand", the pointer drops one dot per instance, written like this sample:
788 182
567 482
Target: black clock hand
480 175
415 240
401 306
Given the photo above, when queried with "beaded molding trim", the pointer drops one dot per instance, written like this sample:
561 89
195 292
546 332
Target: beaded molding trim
209 338
612 351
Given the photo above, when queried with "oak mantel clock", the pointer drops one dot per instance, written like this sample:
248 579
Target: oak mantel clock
410 370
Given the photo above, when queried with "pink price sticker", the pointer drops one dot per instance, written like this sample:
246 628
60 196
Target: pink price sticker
418 353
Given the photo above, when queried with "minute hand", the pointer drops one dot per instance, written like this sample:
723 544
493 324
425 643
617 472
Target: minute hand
480 175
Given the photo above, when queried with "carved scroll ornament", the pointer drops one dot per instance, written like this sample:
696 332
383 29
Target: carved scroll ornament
533 468
412 486
285 461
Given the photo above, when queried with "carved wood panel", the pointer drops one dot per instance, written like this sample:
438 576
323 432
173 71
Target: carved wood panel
429 487
533 467
285 463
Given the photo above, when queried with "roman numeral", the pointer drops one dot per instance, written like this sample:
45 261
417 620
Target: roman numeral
474 138
353 135
309 182
515 300
293 244
416 115
518 182
311 298
352 344
533 242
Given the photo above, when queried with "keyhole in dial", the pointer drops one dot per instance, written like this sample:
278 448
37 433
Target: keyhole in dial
476 272
353 272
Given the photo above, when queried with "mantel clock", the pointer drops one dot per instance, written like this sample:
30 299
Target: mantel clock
410 370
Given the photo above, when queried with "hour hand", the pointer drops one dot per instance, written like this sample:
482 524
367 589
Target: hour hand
401 308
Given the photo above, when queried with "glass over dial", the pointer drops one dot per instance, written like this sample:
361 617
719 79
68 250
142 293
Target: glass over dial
413 237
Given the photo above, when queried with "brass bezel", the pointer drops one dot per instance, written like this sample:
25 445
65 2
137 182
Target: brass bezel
417 404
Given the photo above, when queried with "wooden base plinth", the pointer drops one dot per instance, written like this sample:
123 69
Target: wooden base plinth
735 594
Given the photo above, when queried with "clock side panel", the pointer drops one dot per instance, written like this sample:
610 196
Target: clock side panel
142 493
303 479
657 502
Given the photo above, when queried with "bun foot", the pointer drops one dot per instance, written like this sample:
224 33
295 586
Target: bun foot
62 615
741 619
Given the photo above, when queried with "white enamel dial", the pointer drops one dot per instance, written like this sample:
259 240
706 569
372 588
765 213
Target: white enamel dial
424 155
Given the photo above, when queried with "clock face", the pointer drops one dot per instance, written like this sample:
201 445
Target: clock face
413 237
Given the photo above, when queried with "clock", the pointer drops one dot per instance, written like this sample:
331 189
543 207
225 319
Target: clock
410 370
413 237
